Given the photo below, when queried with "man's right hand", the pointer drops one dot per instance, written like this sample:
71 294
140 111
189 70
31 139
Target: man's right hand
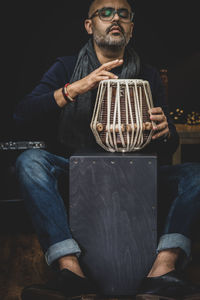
92 80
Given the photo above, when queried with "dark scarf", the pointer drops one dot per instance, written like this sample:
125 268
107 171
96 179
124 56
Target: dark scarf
74 125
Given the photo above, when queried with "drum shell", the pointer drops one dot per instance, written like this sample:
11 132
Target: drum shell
121 121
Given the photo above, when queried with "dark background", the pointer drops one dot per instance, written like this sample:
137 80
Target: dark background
34 33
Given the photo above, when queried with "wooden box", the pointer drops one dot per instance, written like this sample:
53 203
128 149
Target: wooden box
112 215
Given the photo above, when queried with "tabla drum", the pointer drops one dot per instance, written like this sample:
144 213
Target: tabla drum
120 120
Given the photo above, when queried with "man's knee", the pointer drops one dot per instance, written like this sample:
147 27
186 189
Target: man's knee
192 175
30 163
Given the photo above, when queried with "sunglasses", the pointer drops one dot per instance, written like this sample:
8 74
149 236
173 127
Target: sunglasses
108 13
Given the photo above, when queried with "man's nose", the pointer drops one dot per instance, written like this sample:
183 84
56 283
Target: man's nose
116 17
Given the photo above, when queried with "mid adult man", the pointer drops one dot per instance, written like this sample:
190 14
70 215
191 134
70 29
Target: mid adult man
64 99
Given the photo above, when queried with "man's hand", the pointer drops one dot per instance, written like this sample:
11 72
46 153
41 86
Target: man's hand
161 125
92 80
89 82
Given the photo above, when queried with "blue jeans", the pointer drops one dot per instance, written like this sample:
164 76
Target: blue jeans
39 173
179 196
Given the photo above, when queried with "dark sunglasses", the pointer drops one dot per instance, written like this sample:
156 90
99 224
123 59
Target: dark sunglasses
108 13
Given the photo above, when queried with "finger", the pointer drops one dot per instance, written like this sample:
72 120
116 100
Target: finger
158 118
160 133
109 74
103 75
99 78
111 64
155 110
160 126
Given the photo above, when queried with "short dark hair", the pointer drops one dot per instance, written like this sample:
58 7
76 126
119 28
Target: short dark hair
130 2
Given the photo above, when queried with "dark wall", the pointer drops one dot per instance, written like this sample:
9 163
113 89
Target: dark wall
167 36
35 33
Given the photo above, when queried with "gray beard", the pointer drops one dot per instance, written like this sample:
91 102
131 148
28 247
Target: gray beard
108 43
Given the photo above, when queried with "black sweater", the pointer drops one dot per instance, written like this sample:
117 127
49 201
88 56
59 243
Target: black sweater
37 115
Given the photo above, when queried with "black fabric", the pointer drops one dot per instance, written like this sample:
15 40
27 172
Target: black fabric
74 125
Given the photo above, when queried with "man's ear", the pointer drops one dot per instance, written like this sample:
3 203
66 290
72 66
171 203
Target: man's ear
88 26
131 31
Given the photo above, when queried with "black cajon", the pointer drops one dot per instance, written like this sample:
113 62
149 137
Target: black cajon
112 215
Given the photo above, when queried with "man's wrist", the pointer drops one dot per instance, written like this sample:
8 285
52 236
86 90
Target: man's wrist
71 91
59 98
66 94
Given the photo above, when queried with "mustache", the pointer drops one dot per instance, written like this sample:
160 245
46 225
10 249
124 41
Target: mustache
111 26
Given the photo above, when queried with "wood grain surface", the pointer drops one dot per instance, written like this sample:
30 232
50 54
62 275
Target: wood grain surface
21 259
113 218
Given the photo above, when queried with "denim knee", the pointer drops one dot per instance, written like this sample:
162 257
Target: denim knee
185 208
191 178
31 164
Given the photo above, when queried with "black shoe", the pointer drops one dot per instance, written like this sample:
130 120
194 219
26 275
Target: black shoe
66 284
169 286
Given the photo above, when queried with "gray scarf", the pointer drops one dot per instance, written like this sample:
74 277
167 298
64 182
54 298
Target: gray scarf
74 124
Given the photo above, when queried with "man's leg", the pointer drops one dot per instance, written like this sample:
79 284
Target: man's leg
38 172
181 185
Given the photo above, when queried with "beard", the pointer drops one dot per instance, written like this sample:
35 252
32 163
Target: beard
109 41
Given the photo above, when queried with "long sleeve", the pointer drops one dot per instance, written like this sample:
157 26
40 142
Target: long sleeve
40 103
37 114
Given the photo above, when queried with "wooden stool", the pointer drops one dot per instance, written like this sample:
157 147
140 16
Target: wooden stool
112 215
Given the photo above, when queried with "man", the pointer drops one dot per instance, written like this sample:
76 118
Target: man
64 97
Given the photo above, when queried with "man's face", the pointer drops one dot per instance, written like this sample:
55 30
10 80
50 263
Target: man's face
113 34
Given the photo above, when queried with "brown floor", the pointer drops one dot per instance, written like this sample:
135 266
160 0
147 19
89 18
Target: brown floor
22 263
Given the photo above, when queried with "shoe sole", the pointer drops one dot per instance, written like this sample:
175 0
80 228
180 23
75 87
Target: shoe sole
153 297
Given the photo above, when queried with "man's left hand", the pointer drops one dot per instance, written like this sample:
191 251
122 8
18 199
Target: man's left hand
161 125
